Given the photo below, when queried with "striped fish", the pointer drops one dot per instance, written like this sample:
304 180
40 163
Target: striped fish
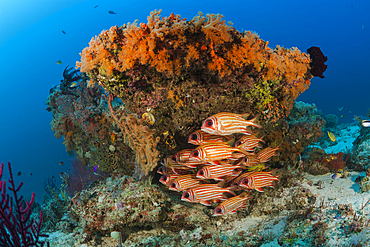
250 160
200 137
206 193
213 152
175 167
248 143
231 205
237 180
182 158
225 123
216 172
258 180
185 182
265 154
168 178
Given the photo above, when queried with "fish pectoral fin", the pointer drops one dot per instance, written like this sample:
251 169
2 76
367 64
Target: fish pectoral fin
217 163
205 203
259 189
229 191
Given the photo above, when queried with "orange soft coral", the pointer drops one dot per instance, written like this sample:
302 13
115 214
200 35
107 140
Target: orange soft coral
167 44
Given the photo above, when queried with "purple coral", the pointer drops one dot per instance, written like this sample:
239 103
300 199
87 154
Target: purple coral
16 228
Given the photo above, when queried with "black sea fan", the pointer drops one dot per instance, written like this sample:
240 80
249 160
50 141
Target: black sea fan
317 63
69 76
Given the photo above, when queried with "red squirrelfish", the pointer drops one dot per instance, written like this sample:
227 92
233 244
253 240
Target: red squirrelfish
174 166
182 158
185 182
251 160
225 123
265 154
200 137
237 180
213 152
231 205
257 180
217 172
248 143
206 193
168 178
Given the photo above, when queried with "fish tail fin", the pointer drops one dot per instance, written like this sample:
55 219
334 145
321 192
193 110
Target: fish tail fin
230 190
277 176
246 195
254 122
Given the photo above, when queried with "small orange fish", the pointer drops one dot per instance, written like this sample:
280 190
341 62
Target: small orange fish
200 137
225 123
257 180
231 205
113 137
213 152
206 193
185 182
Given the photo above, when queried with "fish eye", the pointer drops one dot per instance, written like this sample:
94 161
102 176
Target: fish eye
173 158
245 181
186 195
193 137
219 211
209 123
195 153
201 173
172 185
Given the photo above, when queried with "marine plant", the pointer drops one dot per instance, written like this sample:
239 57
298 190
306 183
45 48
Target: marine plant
17 228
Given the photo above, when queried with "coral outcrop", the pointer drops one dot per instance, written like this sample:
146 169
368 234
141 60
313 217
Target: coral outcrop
182 71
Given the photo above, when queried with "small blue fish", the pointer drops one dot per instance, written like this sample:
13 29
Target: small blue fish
111 12
96 167
336 175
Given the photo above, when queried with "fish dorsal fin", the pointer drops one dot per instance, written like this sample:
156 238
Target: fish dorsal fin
245 115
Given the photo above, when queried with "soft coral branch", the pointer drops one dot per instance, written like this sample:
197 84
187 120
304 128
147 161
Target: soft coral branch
16 228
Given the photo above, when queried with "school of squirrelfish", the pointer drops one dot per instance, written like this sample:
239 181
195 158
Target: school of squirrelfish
219 166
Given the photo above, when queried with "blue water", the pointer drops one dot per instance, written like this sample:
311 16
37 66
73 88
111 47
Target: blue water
31 41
